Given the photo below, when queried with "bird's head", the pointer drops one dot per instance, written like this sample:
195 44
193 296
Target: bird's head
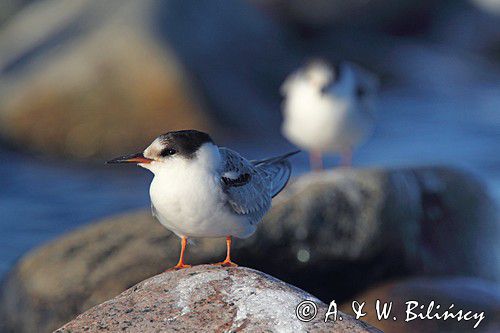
339 76
318 73
344 81
174 150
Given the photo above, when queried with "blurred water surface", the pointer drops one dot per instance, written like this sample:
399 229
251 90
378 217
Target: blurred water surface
43 199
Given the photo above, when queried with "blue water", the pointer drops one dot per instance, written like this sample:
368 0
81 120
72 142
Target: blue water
42 199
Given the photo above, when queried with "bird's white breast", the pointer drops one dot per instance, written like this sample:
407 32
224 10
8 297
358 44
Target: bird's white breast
188 198
325 122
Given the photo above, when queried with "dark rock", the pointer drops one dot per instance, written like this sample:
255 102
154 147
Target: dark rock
388 16
468 294
333 234
429 220
238 55
210 299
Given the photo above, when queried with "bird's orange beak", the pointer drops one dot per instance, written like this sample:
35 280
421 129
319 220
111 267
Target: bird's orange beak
133 158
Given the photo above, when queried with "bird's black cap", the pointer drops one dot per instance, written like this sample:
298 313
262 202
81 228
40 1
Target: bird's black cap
185 142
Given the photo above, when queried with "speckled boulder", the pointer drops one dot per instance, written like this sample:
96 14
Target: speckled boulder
209 299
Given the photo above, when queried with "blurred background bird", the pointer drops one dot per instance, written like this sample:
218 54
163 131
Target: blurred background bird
328 109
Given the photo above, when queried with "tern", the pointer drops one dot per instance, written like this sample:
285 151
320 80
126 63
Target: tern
202 190
328 109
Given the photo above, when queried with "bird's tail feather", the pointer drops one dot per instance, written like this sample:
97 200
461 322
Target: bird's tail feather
279 170
274 159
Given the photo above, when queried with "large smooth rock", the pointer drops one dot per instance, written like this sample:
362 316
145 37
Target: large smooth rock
333 234
91 81
426 220
467 294
9 8
210 299
105 78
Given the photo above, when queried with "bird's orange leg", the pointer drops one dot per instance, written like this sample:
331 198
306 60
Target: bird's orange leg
181 263
227 262
316 160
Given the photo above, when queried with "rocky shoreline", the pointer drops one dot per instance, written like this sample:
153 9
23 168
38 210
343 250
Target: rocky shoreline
83 81
340 232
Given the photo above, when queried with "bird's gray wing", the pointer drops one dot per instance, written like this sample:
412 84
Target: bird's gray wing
250 185
248 189
277 170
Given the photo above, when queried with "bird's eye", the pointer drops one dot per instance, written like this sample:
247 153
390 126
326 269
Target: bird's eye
168 152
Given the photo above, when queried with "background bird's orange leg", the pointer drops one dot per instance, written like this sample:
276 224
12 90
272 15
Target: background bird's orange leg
227 262
346 158
181 263
316 160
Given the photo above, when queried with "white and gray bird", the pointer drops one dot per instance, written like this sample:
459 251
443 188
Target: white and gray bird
202 190
328 109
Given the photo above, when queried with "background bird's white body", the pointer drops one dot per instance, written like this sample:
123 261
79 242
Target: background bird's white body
188 199
327 123
323 113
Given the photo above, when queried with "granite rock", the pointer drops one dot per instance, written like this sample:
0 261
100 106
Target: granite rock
210 299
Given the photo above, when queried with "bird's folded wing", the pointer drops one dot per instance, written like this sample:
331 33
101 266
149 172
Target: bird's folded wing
247 188
277 170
